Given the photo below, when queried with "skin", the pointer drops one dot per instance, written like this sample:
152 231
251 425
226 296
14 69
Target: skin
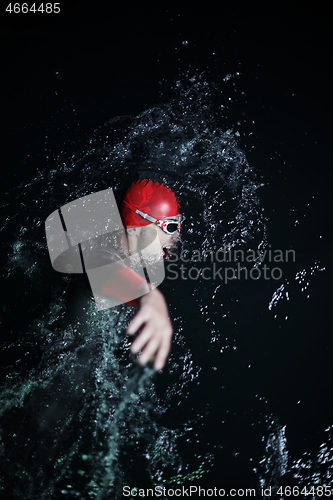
152 318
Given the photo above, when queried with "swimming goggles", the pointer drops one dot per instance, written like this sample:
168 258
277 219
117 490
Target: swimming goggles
170 225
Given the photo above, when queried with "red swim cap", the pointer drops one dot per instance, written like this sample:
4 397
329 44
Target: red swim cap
150 197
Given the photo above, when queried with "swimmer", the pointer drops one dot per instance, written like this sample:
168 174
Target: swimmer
147 209
147 204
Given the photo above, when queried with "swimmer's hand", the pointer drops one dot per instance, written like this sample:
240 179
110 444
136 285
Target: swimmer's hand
156 333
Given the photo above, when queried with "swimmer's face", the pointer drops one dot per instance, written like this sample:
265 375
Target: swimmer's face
167 241
144 239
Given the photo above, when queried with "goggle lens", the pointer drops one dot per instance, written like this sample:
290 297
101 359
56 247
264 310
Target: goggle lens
172 227
168 225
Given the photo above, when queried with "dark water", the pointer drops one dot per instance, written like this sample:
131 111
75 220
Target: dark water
245 400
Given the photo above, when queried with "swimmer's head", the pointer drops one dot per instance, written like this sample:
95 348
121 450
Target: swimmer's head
147 198
148 203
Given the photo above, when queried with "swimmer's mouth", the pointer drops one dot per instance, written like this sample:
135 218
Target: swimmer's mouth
171 247
166 252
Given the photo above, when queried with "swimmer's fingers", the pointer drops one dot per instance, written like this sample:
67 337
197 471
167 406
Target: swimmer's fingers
136 323
142 339
148 352
154 345
155 338
162 354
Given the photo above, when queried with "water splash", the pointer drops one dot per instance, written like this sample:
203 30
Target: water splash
78 418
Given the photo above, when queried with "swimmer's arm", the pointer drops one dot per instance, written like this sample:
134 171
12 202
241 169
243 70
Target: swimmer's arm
154 340
156 333
152 317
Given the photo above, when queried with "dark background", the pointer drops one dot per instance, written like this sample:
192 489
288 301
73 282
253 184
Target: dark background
65 75
104 59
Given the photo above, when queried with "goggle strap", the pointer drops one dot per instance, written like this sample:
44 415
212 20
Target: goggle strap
146 216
